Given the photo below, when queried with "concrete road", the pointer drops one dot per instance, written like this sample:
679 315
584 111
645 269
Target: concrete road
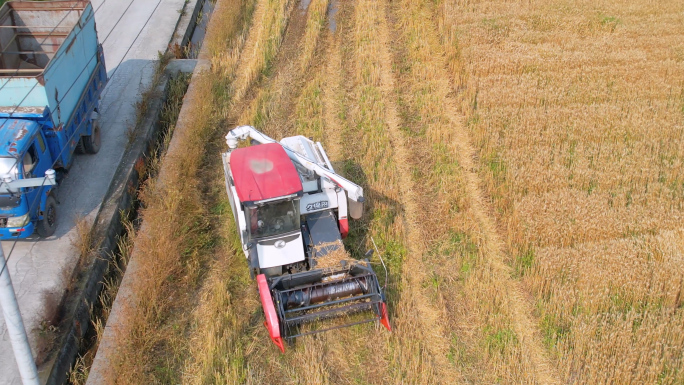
36 265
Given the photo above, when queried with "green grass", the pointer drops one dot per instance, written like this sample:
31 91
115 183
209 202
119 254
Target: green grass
457 354
610 22
524 260
499 340
553 329
459 245
496 166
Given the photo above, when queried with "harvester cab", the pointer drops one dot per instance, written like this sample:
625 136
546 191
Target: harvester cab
291 212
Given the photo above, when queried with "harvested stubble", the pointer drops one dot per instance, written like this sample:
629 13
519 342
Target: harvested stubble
270 20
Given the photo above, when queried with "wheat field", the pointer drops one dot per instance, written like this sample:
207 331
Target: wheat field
577 111
523 164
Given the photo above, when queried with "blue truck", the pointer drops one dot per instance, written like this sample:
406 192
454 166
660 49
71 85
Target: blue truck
52 72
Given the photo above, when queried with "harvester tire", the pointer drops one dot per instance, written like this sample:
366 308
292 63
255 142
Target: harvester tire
47 226
91 143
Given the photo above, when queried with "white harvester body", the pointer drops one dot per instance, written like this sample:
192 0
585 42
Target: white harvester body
319 193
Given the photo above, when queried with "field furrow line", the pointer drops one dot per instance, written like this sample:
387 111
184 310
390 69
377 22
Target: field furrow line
520 308
525 325
271 106
421 340
263 44
331 92
248 52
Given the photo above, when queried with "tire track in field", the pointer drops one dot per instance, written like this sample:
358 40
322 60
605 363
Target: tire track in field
420 338
261 47
286 80
248 52
520 309
331 108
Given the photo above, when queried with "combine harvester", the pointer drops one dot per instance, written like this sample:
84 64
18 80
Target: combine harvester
291 213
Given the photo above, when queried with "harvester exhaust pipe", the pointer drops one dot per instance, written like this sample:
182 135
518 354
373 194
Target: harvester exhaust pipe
313 295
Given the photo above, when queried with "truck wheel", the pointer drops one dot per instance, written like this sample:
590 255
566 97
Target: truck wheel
91 143
47 226
79 147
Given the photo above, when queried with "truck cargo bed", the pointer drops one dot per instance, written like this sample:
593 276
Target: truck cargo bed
48 52
24 28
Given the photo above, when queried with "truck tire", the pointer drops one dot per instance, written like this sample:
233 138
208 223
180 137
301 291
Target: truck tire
79 147
47 226
91 143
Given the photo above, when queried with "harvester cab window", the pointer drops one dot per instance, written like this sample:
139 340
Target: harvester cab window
273 218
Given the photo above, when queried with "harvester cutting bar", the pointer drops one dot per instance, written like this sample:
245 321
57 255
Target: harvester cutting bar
302 298
328 303
324 314
364 321
329 299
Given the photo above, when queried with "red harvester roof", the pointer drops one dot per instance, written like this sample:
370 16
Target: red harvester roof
263 172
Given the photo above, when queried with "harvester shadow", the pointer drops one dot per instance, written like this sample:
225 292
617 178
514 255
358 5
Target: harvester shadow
378 207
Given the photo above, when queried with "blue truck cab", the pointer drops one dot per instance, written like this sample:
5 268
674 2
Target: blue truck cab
52 73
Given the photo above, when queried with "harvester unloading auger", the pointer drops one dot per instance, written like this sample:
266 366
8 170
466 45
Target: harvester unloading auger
291 212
